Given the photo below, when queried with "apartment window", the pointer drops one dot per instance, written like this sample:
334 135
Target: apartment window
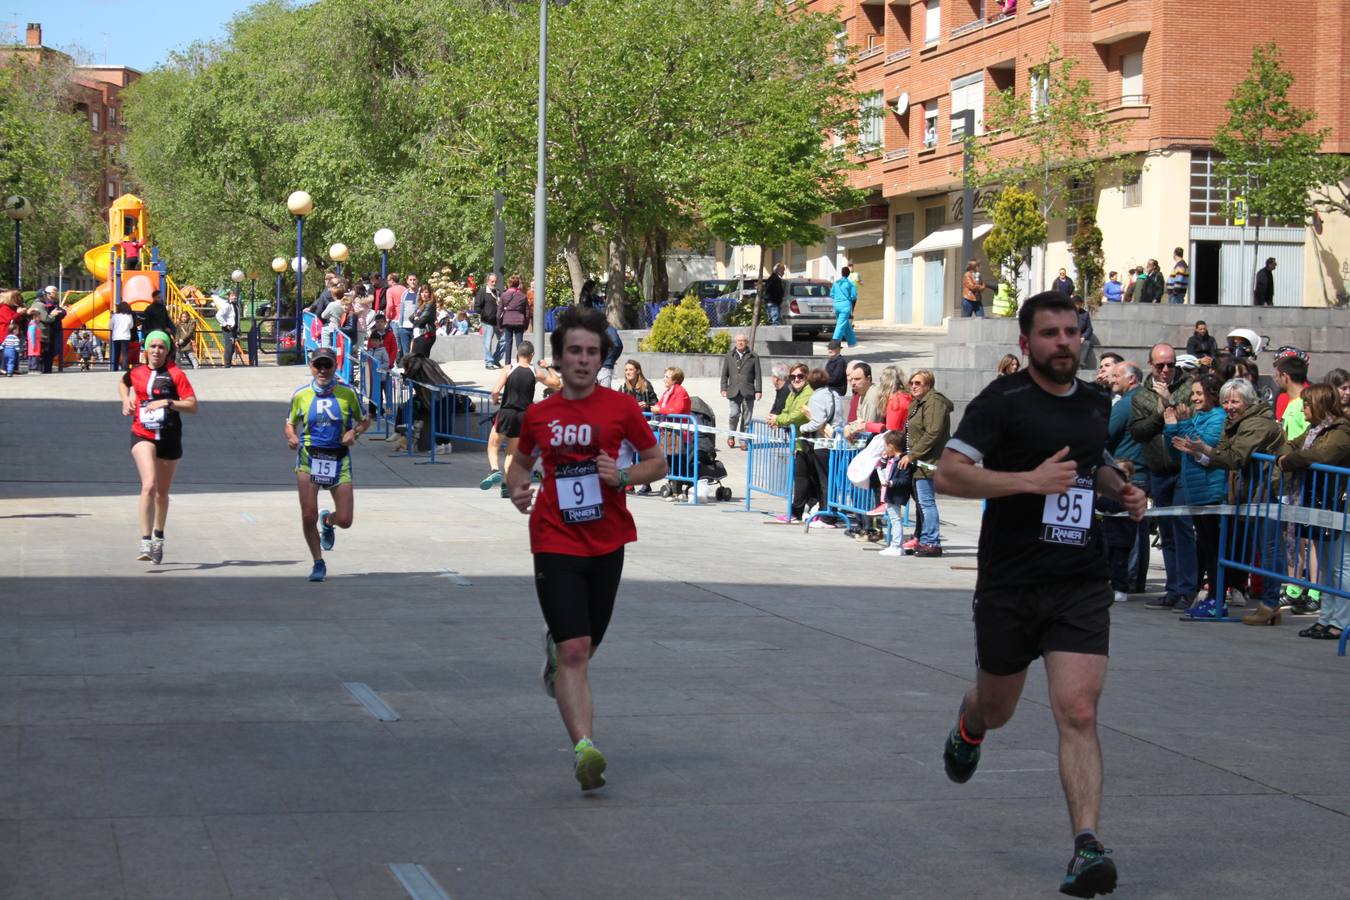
1132 191
841 47
930 123
797 259
932 22
934 217
1040 89
870 122
967 94
112 117
94 121
1082 198
1132 79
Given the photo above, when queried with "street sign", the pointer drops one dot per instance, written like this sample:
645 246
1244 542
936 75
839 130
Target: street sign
1240 211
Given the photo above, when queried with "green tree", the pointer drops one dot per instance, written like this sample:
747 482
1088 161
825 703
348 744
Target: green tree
1088 259
48 156
1018 226
1063 139
1269 152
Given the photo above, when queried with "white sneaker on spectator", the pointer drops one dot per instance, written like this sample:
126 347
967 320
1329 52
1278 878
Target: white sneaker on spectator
1122 597
892 551
822 523
1236 597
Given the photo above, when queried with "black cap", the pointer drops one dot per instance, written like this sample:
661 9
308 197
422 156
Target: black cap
833 345
323 353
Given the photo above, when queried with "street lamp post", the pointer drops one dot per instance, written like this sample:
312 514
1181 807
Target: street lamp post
278 266
339 254
300 205
967 192
540 198
18 208
384 242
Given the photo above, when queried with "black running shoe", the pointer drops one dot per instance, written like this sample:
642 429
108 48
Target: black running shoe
960 757
1090 873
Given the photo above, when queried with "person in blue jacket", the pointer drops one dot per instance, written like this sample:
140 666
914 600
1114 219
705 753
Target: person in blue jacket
844 293
1203 486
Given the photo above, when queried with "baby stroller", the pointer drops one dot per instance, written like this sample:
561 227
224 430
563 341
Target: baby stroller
710 468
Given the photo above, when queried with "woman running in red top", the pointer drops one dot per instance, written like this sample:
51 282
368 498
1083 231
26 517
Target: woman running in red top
587 437
155 395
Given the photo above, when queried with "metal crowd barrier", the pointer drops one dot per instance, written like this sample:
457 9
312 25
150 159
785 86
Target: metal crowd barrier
678 436
377 390
770 462
341 344
1289 528
842 497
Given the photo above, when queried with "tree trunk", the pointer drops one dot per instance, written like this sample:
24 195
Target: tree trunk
640 270
617 267
571 248
660 275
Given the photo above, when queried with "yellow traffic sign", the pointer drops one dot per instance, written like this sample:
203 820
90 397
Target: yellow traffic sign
1240 211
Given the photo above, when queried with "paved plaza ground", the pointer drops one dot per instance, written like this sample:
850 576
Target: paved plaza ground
772 703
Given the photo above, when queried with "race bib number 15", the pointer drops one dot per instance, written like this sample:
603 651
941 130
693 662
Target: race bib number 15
1067 517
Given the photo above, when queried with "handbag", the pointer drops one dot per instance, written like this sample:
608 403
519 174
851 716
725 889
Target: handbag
864 463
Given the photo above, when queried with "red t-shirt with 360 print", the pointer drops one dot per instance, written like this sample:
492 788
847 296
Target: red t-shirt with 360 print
574 512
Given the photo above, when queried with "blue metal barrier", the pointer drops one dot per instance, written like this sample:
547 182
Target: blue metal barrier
769 464
678 437
376 390
341 344
842 497
1290 528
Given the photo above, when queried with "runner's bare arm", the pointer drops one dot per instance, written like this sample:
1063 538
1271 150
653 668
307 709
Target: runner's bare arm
548 377
1111 483
188 405
651 466
518 481
958 476
128 399
292 439
501 383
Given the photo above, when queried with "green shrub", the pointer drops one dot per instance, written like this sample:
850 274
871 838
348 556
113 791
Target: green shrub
683 328
743 313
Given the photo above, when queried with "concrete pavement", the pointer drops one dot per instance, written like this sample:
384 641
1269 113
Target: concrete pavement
772 703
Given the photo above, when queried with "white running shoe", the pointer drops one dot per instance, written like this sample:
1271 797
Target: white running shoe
892 551
157 550
147 553
1122 597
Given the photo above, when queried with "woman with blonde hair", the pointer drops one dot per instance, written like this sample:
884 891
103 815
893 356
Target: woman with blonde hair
893 399
1008 365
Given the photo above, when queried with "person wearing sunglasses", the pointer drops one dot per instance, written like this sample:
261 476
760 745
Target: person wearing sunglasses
1166 386
324 422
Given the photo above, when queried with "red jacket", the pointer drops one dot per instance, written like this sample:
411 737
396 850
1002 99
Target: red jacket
674 402
390 345
897 412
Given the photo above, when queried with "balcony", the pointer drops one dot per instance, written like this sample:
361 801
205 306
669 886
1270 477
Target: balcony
897 56
871 52
968 28
1127 108
893 155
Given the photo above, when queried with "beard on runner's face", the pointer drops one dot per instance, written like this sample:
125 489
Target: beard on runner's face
1060 366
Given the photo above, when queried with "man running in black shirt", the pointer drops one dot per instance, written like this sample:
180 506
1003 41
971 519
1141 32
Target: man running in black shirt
1042 588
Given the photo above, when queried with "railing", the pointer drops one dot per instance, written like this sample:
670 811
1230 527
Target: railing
843 498
769 466
678 436
968 28
341 344
902 53
898 153
206 343
1127 100
871 52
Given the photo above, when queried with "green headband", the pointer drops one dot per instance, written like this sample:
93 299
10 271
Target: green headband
159 336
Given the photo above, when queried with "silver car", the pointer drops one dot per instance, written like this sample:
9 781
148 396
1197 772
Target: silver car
807 307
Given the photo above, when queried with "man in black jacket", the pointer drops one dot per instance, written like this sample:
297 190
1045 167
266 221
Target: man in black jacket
1264 292
485 307
1202 345
837 368
1154 285
773 295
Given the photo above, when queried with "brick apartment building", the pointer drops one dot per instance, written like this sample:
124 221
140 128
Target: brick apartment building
94 92
1162 68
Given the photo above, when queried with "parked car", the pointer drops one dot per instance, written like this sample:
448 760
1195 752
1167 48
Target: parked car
807 307
718 288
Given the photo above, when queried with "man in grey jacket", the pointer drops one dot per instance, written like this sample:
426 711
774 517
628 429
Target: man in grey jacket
741 386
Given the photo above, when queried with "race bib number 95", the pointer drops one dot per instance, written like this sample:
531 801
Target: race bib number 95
1067 517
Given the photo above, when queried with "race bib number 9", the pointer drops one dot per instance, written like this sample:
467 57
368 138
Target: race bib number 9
1067 517
152 419
579 498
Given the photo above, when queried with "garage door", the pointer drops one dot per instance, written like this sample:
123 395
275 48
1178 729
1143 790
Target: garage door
870 264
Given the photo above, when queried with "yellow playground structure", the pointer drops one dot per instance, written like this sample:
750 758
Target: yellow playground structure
125 281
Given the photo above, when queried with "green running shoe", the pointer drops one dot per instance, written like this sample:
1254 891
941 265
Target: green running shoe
550 673
493 479
590 765
960 756
1090 873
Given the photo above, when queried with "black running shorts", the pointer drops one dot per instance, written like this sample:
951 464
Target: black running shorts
508 422
169 446
1015 625
576 593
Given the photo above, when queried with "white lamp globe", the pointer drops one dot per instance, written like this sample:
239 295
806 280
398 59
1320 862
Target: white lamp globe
279 264
300 203
237 275
338 252
384 239
299 264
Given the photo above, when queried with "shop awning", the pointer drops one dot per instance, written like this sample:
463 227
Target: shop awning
874 236
948 239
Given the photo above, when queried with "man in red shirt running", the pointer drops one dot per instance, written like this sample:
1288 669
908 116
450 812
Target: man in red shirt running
587 438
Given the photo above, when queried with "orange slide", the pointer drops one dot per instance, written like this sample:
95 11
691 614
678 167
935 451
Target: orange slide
95 311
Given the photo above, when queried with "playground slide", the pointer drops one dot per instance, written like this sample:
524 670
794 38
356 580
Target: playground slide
95 310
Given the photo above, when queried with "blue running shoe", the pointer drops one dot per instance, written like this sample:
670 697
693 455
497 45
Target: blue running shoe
327 533
319 572
1090 873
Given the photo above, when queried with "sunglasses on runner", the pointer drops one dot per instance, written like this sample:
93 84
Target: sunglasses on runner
322 364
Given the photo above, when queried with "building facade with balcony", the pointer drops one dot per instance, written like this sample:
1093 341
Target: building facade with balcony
1160 68
94 92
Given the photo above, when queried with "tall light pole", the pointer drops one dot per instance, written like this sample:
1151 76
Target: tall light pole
384 242
278 266
18 208
338 254
300 205
540 197
967 192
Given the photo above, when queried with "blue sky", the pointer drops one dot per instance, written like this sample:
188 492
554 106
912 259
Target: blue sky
136 33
